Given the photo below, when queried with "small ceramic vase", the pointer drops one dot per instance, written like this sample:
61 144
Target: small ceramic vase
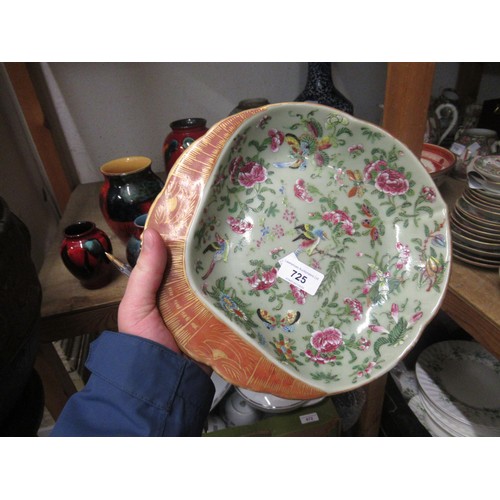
129 189
469 144
134 243
82 252
441 123
320 88
184 132
245 104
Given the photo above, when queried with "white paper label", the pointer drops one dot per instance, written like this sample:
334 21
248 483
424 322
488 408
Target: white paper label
474 147
457 148
299 274
309 418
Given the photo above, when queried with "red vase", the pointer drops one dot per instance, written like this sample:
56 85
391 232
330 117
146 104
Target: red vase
128 191
184 133
82 252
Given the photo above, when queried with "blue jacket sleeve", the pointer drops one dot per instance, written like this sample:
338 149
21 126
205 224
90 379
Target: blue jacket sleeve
137 388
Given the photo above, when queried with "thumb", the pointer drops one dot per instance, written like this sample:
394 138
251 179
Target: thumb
139 298
148 271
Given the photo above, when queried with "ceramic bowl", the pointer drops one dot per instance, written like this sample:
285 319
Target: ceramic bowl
269 403
238 412
309 250
437 161
488 167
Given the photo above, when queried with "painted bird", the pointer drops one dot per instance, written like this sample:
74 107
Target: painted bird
220 247
310 238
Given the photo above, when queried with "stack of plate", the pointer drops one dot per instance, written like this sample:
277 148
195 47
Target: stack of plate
475 219
459 384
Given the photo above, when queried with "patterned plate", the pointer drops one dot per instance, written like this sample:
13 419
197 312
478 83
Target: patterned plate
462 380
309 250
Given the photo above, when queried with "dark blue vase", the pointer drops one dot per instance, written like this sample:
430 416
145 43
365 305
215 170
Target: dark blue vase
320 88
134 243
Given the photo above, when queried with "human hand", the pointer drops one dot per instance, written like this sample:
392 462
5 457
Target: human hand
138 313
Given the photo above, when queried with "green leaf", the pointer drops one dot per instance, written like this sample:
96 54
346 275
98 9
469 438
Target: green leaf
378 344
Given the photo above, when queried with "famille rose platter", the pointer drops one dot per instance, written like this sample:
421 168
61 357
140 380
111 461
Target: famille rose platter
309 249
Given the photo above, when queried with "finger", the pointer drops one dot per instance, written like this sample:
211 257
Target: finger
148 272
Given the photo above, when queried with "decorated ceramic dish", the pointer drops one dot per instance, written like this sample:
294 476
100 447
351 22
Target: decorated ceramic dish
438 161
488 166
460 379
309 249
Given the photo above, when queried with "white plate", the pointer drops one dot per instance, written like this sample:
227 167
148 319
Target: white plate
269 403
462 380
221 388
420 412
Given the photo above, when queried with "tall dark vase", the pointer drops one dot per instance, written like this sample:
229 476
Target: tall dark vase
320 88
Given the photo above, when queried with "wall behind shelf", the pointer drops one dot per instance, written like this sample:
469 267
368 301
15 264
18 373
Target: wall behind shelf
116 109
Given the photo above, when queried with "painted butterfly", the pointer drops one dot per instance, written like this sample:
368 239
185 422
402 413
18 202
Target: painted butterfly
286 323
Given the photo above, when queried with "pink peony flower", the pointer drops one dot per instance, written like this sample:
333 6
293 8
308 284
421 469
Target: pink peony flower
392 182
327 340
252 173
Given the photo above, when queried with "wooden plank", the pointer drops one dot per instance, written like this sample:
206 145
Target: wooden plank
42 137
369 420
407 96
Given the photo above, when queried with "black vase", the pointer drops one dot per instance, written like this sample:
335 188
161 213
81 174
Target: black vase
320 88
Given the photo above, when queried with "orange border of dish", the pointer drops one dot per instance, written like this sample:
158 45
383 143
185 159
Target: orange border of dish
233 358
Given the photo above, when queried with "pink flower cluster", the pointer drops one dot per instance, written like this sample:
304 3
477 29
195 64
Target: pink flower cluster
340 217
367 370
404 255
264 281
298 294
301 192
246 174
356 308
356 149
277 139
239 226
429 194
